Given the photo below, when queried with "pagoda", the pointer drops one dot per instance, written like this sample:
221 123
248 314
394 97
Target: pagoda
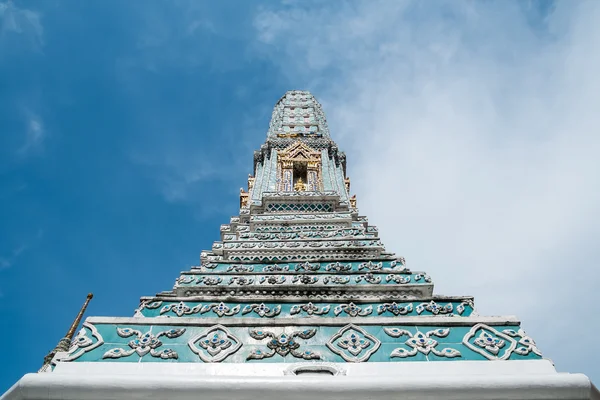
300 298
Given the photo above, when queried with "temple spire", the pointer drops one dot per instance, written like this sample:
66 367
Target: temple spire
298 114
64 343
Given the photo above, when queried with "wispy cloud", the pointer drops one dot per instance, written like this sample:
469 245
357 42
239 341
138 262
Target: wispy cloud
472 137
35 134
22 22
9 260
182 173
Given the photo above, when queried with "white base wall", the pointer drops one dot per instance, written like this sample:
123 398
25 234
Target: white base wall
454 380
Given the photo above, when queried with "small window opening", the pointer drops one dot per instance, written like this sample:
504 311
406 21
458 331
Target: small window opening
300 177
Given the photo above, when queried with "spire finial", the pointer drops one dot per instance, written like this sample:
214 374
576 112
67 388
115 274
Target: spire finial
64 343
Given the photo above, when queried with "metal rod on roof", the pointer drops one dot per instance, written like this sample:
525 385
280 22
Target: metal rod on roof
65 343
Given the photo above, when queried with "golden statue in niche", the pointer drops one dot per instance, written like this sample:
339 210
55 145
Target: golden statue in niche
300 186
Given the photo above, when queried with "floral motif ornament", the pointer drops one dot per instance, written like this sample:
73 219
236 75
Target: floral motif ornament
353 344
369 278
338 267
305 279
490 343
185 279
434 308
276 268
216 344
340 280
307 266
283 344
210 280
82 343
353 310
371 266
151 304
240 268
421 342
309 308
144 344
180 309
146 304
241 280
272 280
220 309
460 309
397 278
527 344
394 308
262 310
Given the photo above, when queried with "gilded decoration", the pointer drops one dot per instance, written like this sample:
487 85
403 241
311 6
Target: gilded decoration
299 168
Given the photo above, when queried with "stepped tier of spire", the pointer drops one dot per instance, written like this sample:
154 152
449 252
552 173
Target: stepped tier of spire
299 275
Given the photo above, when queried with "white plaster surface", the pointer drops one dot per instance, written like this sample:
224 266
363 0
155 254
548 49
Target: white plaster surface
462 380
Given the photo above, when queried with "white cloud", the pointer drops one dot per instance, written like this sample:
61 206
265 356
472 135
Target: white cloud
9 260
20 21
472 138
35 134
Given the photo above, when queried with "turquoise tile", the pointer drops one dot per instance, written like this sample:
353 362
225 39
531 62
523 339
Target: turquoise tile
98 353
156 329
329 356
110 335
385 338
443 349
455 335
386 350
183 354
246 350
530 356
466 353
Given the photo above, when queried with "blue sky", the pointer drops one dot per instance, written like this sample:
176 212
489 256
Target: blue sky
127 129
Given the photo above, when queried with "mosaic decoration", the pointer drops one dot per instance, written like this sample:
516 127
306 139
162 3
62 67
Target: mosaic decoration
353 344
262 310
272 280
209 280
527 344
283 344
306 266
241 280
240 268
337 280
490 343
338 267
144 344
371 266
434 308
82 343
180 309
309 308
276 268
400 279
215 344
369 278
220 309
353 310
421 342
394 308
